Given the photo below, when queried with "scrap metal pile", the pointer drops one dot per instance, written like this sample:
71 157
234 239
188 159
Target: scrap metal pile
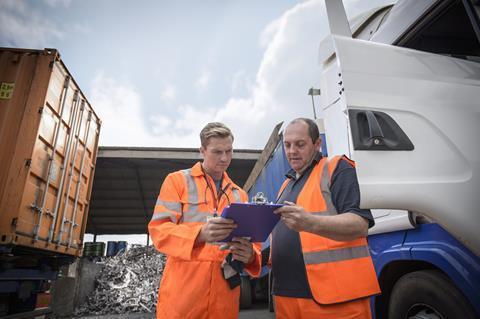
128 283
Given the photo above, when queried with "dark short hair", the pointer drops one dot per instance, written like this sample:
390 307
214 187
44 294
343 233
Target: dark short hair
214 129
312 127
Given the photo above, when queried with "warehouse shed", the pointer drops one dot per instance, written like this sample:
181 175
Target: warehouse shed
127 181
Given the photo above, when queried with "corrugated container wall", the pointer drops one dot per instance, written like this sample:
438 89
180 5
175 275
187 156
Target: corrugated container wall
48 147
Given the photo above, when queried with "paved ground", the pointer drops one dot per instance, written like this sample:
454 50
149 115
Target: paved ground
258 311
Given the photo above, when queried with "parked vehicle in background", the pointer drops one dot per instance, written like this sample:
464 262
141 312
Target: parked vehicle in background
48 148
400 90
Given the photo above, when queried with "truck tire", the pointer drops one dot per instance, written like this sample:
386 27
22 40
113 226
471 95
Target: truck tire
428 294
245 293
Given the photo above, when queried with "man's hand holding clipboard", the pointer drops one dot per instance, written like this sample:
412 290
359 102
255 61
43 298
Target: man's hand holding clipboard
295 217
253 220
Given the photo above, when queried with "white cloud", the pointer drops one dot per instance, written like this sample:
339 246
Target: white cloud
288 69
183 130
119 107
168 93
201 84
241 83
82 28
23 26
278 93
269 32
54 3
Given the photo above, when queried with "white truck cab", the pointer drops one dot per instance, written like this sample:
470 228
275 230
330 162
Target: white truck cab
401 97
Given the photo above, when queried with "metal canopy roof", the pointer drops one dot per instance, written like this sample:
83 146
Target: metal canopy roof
127 181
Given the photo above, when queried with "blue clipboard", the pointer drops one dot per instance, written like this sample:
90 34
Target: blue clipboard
253 220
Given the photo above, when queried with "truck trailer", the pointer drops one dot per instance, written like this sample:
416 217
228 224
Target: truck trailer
48 148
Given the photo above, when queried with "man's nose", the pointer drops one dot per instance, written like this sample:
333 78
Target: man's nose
291 149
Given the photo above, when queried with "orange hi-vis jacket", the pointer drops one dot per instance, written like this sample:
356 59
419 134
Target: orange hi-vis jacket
193 285
337 271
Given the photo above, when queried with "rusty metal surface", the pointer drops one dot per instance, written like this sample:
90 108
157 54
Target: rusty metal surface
49 140
128 283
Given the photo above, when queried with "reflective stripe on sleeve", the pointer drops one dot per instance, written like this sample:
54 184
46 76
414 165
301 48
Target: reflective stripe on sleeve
192 196
194 216
333 255
165 215
191 185
175 206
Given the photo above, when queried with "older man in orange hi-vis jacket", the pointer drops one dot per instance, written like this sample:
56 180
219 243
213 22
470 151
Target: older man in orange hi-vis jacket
201 279
319 253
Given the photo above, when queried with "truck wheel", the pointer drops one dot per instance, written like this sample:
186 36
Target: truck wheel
245 293
427 294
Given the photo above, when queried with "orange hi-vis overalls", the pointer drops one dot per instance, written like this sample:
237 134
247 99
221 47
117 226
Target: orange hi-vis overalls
193 285
340 274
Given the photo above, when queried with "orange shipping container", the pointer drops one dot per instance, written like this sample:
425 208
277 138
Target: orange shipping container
48 148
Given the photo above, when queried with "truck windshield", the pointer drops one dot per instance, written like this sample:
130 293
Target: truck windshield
451 28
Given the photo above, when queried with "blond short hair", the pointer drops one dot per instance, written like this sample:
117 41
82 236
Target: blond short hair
214 129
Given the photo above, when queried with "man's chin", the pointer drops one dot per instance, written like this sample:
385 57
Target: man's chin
295 164
295 167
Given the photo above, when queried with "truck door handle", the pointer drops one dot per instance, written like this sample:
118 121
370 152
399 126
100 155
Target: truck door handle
373 126
377 131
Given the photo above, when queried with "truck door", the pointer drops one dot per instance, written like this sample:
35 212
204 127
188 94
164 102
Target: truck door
409 118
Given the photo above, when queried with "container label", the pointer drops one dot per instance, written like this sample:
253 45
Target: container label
6 90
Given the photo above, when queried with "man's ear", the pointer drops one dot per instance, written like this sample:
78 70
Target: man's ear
202 151
317 144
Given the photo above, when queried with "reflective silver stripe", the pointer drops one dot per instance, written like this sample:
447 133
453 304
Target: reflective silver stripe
333 255
195 216
165 215
325 187
192 214
192 186
236 195
175 206
192 192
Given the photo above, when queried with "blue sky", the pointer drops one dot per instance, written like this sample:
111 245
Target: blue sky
157 71
172 53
